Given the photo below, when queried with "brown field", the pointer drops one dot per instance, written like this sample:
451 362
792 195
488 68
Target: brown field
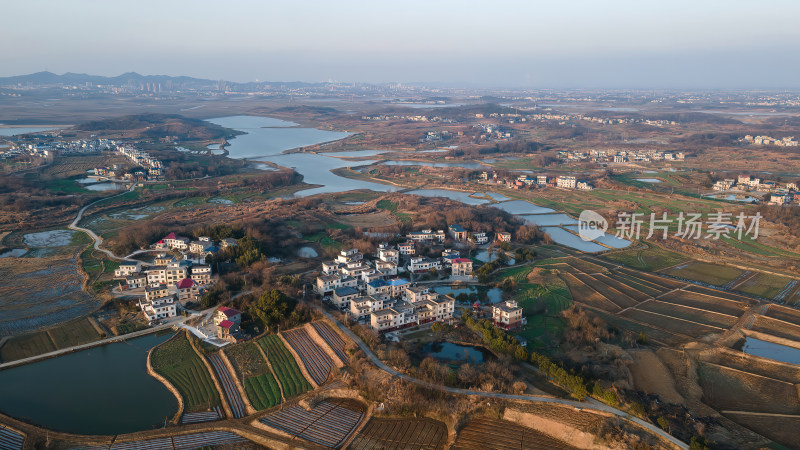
783 313
585 266
781 429
759 366
653 334
638 284
721 294
586 295
619 298
631 292
686 313
776 328
651 376
729 389
669 323
418 434
370 220
501 434
663 282
708 303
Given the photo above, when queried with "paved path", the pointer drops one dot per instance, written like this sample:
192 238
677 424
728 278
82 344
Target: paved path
97 239
591 403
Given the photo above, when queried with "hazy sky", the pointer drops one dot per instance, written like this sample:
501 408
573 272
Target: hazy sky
567 43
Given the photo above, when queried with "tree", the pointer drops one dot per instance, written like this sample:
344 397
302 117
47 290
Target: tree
272 307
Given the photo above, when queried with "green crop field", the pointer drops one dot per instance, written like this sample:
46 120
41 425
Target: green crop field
263 391
26 345
284 365
518 274
650 258
715 274
176 361
260 386
764 285
74 333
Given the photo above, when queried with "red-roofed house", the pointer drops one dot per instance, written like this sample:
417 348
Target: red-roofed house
173 241
188 289
462 267
229 331
229 314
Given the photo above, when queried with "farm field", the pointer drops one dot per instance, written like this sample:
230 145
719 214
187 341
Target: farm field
176 361
768 286
207 439
422 434
619 298
655 280
630 291
69 334
683 312
228 386
504 435
332 339
706 302
648 289
671 324
652 333
729 389
317 362
284 365
783 313
328 423
651 258
781 429
714 274
588 296
721 294
10 439
776 327
253 372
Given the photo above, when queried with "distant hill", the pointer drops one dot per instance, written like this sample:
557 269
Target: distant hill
44 78
69 78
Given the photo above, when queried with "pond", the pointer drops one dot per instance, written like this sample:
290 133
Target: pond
649 180
463 197
734 198
14 131
485 256
355 153
14 253
102 390
52 238
610 240
544 220
494 295
523 207
104 187
777 352
564 237
447 351
307 252
497 197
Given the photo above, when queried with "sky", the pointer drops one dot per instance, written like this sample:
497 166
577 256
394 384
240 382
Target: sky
498 43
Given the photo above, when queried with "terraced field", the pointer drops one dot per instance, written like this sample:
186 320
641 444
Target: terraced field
504 435
687 313
228 386
672 324
705 302
329 423
584 294
286 369
714 274
10 439
421 434
176 361
332 339
253 372
768 286
783 313
317 362
192 441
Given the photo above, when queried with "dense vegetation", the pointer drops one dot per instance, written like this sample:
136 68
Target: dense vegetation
284 365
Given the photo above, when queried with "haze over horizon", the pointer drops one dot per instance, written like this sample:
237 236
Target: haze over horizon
583 44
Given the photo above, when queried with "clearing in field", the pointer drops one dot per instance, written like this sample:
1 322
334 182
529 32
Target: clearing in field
177 361
651 258
422 434
253 372
714 274
502 435
286 369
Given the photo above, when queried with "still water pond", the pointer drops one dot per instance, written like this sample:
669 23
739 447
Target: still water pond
102 390
454 352
778 352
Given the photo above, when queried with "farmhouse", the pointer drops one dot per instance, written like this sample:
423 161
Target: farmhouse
343 296
224 313
503 236
127 268
457 232
462 267
508 315
188 290
158 308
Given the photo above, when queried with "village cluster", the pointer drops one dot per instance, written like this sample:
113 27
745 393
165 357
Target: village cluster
620 156
538 181
788 141
374 293
50 149
779 195
178 275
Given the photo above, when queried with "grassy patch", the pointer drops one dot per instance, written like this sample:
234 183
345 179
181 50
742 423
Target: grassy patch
714 274
260 386
764 285
27 345
176 361
650 258
388 205
285 366
519 274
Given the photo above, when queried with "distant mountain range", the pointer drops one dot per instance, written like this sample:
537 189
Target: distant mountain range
69 78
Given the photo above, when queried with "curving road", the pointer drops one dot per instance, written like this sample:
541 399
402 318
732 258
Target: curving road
591 403
97 239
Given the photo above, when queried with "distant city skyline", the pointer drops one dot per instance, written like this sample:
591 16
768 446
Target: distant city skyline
577 44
